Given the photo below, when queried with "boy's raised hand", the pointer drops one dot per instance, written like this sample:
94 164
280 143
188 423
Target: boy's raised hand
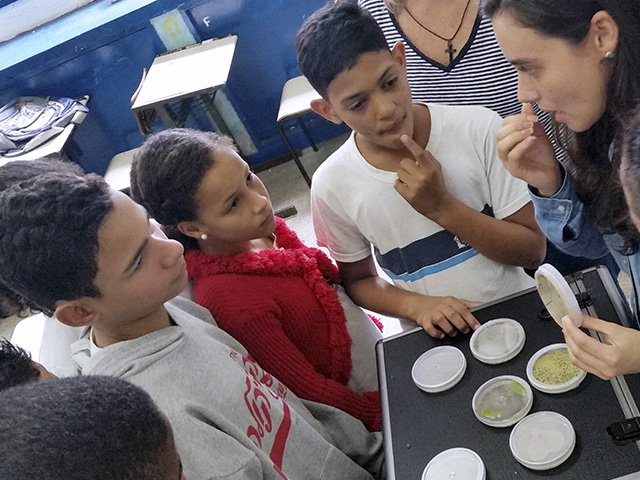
420 181
617 354
525 150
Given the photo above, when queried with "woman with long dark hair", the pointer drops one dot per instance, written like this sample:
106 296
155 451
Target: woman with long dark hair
579 61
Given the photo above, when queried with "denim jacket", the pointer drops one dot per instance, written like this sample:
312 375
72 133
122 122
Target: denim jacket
563 219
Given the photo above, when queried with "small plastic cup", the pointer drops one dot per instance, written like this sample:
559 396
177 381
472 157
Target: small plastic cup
502 401
497 341
439 368
550 370
542 440
459 463
556 294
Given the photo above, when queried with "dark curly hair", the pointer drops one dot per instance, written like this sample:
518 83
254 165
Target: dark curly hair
49 236
16 366
332 39
596 174
10 174
167 172
81 428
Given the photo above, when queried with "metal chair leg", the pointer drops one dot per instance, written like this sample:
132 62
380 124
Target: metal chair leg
306 132
293 152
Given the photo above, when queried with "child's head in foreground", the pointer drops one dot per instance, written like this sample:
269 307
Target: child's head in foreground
201 191
10 174
16 366
343 53
84 428
73 246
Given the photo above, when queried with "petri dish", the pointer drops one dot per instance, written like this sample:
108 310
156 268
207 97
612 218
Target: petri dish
550 370
497 341
502 401
455 463
556 294
542 440
439 368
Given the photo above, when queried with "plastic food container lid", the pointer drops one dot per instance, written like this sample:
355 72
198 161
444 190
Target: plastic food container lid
550 370
497 341
439 368
556 294
458 463
542 440
502 401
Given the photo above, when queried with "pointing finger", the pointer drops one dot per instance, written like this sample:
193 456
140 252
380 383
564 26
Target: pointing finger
416 150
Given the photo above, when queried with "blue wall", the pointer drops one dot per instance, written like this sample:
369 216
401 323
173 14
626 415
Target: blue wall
105 56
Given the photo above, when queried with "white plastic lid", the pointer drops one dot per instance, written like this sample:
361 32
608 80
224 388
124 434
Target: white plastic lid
455 463
556 294
439 369
542 440
497 341
502 401
550 370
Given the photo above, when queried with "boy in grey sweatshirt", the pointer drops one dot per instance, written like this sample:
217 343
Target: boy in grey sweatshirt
75 248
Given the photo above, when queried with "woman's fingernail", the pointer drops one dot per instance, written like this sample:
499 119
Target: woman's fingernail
532 118
527 124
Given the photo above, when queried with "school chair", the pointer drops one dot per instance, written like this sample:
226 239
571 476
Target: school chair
297 94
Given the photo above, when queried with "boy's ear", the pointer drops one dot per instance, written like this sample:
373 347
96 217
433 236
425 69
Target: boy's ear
398 53
75 313
190 229
325 110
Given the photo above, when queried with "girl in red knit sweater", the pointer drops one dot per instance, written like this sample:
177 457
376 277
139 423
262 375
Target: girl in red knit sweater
280 299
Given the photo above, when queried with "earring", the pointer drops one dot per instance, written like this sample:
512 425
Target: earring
204 236
608 55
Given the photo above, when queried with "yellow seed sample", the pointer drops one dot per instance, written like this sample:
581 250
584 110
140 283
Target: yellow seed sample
555 368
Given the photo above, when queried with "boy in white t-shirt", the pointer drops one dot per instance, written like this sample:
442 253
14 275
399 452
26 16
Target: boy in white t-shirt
421 184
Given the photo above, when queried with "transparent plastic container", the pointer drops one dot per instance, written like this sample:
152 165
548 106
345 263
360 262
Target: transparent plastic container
542 440
502 401
439 369
497 341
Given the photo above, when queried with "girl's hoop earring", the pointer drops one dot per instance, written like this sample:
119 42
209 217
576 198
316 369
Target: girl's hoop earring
204 236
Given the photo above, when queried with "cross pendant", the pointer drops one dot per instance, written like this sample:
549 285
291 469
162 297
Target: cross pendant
450 50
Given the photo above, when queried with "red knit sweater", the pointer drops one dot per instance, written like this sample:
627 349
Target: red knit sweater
280 305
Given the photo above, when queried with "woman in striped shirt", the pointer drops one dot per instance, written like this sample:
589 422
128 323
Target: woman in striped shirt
453 57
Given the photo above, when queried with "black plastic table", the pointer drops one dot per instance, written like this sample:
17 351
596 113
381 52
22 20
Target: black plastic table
418 425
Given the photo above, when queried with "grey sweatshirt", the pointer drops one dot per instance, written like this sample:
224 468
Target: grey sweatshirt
231 419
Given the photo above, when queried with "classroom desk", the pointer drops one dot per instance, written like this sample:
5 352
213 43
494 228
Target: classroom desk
418 425
195 72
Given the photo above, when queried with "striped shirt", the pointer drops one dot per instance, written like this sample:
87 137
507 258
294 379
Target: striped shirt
479 75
